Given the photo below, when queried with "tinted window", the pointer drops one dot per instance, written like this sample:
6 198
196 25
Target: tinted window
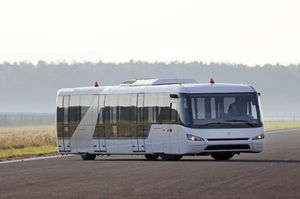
163 108
66 108
124 113
59 115
85 103
74 110
150 108
184 110
150 111
110 115
74 113
100 111
174 111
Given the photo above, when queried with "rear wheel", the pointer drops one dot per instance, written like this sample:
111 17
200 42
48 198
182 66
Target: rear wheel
151 156
88 156
169 157
222 156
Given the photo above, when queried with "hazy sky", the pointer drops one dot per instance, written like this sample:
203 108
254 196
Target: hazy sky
240 31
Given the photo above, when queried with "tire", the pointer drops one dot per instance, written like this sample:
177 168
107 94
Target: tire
151 156
88 156
168 157
222 156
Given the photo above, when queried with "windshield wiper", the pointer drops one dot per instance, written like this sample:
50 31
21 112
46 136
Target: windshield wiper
215 123
242 121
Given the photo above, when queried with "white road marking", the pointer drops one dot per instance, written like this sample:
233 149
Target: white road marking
283 130
34 158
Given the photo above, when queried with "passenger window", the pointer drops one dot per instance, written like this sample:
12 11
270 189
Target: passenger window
85 103
150 108
110 115
66 109
74 110
101 109
174 112
124 115
60 116
163 108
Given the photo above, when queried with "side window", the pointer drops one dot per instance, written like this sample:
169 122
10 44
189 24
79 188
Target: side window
163 116
253 111
110 115
124 104
112 103
184 110
59 116
74 110
133 110
85 103
74 113
59 109
100 111
174 111
66 109
124 108
150 110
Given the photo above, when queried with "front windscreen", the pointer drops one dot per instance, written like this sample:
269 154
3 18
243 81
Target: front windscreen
222 110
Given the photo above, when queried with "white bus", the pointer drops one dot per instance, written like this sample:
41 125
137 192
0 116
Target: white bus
166 118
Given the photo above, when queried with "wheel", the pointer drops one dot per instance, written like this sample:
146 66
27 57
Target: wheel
222 156
88 156
151 156
169 157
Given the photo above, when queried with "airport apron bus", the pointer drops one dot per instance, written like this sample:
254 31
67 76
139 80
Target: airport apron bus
166 118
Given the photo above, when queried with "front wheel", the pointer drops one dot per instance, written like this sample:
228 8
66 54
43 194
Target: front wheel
222 156
169 157
151 156
88 156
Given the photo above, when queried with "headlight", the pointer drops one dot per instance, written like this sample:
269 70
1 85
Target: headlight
259 137
194 138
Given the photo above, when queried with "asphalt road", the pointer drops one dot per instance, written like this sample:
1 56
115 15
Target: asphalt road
275 173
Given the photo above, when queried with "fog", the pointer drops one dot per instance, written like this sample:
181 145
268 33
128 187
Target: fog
31 88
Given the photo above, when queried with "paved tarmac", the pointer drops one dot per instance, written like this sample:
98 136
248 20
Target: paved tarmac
275 173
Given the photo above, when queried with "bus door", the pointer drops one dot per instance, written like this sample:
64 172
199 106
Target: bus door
139 143
65 127
99 141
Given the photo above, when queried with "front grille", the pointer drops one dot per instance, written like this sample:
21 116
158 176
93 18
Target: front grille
226 139
227 147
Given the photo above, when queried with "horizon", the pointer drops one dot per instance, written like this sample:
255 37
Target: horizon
183 62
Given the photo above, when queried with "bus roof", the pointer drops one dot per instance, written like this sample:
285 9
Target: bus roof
172 88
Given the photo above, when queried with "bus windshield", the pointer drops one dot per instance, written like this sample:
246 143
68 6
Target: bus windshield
221 110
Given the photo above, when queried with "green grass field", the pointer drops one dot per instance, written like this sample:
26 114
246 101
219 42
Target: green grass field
27 141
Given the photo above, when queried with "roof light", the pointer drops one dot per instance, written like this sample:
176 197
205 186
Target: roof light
96 84
211 80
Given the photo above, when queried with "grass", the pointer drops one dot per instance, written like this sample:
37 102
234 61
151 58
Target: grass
28 141
280 125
